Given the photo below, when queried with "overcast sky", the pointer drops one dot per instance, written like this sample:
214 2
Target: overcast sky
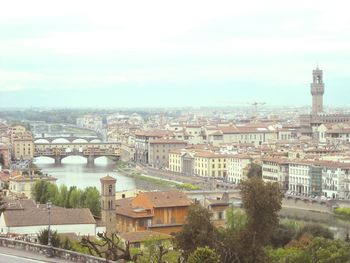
172 53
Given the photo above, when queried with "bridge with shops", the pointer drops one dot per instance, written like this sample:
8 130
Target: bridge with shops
70 137
90 151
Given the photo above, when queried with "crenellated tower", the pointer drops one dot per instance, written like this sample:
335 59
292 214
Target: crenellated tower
317 91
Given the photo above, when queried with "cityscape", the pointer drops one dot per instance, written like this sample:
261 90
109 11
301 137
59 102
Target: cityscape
137 140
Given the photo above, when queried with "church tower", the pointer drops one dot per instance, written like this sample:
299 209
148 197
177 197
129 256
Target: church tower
317 91
108 209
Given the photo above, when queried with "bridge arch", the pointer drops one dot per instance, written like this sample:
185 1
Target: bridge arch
41 140
79 140
95 140
60 140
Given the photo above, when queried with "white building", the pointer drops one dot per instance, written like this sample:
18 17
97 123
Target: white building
276 169
299 177
26 217
238 167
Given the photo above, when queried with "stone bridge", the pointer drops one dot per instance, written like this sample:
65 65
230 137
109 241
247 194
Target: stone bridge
69 137
91 151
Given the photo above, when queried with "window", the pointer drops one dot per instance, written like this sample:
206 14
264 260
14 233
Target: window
137 245
173 220
159 221
220 215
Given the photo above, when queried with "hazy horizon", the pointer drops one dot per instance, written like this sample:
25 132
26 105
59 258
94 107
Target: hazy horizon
171 54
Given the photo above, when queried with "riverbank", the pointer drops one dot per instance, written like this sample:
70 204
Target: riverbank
152 181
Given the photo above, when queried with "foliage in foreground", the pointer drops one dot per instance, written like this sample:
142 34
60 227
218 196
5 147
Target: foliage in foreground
203 255
73 197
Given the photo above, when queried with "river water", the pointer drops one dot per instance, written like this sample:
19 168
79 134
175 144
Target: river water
74 171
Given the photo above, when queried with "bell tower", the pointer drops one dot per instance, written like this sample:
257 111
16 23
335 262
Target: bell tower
108 209
317 91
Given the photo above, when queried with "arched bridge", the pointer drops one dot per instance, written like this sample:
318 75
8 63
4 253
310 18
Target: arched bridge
70 138
58 151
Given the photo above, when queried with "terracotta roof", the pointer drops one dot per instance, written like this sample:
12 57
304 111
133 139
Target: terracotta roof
166 198
108 178
26 178
124 207
167 141
141 236
37 216
153 133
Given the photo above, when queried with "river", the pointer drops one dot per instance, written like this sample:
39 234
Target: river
74 171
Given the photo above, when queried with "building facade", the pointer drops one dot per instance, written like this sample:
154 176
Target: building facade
108 203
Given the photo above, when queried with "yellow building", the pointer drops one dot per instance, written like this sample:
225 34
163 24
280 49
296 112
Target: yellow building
14 130
204 163
20 184
23 146
175 160
210 164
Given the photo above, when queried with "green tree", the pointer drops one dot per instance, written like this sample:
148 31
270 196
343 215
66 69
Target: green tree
324 250
197 232
282 235
315 230
261 201
203 255
156 250
92 200
255 170
236 219
62 199
75 198
43 237
44 191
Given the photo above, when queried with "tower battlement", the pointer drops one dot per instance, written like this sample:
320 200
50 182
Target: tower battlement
317 91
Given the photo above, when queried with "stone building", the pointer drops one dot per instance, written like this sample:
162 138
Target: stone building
310 122
158 154
108 205
23 146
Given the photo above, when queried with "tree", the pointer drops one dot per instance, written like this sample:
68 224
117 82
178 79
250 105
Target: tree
109 247
281 236
43 237
92 200
75 198
203 255
236 219
197 232
156 250
44 191
255 171
62 199
261 202
315 230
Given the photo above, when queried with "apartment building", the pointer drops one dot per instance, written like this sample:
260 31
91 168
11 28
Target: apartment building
206 163
159 149
300 176
249 133
238 167
276 170
23 146
142 139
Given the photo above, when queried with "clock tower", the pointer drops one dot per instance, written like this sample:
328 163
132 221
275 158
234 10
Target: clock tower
108 209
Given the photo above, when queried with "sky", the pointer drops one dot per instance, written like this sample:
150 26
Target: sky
172 53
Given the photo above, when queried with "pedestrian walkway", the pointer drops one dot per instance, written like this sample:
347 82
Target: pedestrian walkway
25 255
